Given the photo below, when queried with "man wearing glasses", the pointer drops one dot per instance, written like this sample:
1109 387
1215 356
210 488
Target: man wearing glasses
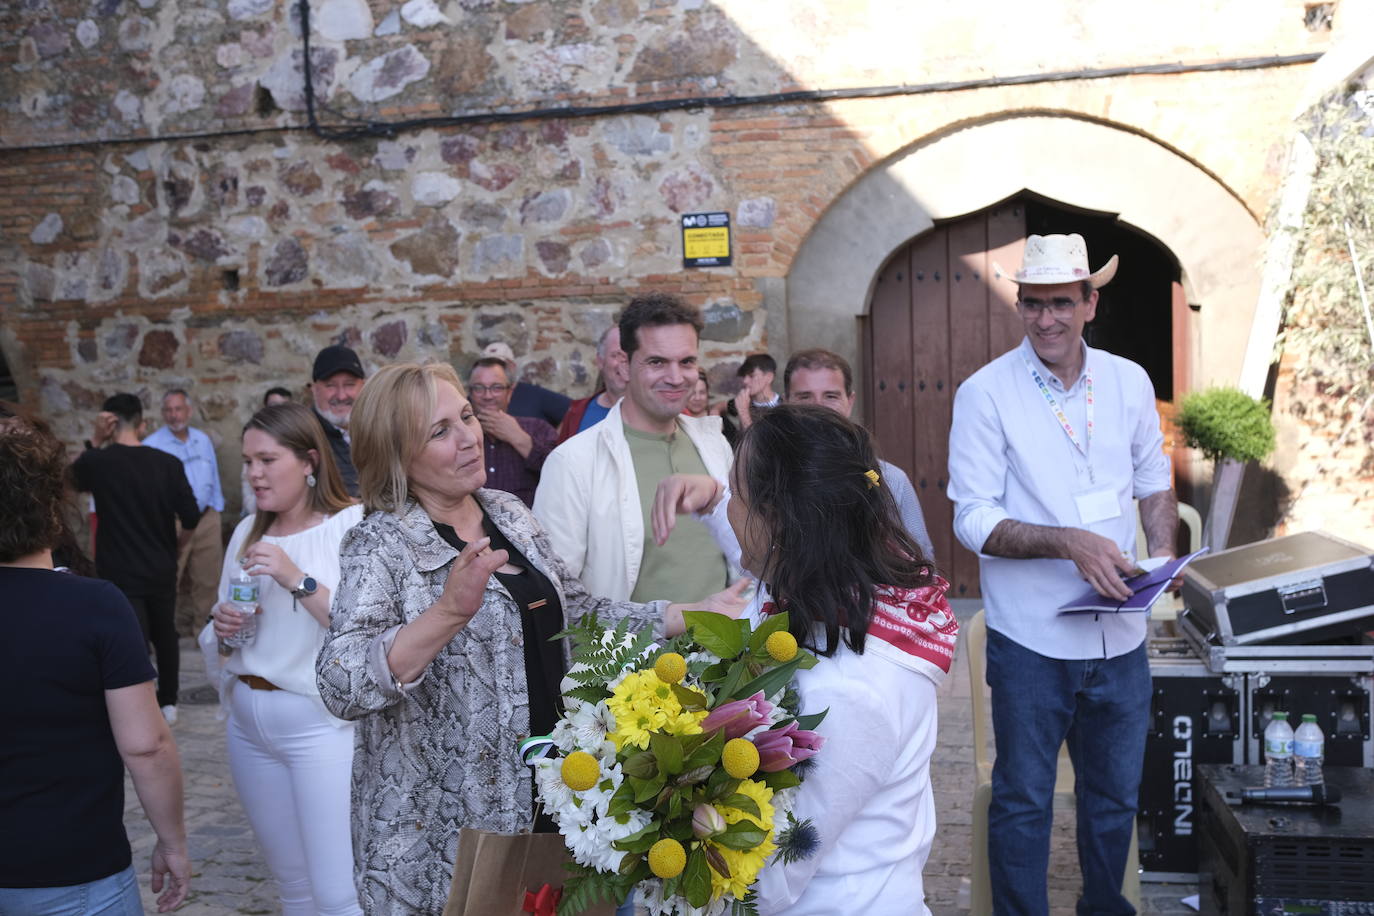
1051 444
515 446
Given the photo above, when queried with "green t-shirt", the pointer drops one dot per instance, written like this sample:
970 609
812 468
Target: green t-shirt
689 566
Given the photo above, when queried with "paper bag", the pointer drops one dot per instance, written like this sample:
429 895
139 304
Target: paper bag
494 871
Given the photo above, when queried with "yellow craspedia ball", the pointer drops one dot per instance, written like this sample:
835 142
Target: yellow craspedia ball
671 668
580 771
667 858
740 758
782 646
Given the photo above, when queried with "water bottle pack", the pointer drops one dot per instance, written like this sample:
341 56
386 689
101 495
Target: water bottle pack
1293 758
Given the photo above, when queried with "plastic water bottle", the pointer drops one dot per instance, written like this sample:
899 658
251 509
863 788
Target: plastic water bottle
1309 745
1278 751
243 595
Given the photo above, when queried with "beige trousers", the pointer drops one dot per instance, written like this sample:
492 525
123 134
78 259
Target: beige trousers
198 570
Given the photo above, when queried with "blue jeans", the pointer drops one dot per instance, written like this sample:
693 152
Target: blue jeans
1102 708
116 895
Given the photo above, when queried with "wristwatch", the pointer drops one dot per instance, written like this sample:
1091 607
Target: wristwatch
307 588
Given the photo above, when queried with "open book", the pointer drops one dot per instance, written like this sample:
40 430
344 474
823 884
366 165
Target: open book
1145 588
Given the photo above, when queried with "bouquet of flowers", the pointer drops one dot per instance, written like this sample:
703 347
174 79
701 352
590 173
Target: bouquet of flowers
676 765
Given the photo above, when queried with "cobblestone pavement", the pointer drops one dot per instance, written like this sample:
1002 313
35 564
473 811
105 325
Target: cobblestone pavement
229 875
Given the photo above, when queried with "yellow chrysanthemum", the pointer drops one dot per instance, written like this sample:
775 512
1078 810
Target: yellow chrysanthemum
643 704
781 646
744 865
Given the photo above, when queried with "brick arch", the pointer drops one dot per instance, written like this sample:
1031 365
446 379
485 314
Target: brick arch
1073 160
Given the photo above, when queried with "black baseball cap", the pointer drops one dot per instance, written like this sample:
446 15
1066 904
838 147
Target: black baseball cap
337 358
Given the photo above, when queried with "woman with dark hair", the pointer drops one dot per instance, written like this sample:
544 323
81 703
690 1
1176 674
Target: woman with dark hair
75 671
291 759
811 518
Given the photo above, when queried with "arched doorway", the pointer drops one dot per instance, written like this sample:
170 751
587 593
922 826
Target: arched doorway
938 312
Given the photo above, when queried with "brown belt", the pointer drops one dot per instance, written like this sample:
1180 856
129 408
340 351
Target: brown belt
258 683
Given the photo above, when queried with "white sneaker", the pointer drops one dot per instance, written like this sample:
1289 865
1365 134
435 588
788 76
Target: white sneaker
170 714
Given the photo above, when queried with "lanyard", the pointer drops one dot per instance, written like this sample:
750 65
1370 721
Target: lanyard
1081 444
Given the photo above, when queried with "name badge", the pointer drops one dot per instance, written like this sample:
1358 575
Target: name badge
1097 506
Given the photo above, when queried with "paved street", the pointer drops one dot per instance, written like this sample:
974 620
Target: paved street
230 876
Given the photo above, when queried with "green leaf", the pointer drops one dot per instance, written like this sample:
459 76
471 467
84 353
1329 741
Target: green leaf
715 632
645 789
675 805
696 774
707 754
743 803
696 879
623 801
809 723
690 699
713 673
770 681
808 661
640 840
668 750
589 693
741 835
680 830
729 685
642 765
782 779
720 785
766 628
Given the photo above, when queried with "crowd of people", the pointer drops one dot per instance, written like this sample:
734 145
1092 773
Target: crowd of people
414 538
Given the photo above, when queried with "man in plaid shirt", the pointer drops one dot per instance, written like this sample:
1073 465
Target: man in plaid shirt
515 447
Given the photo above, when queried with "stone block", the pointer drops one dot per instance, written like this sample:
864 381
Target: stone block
159 349
388 339
726 322
433 251
240 347
287 264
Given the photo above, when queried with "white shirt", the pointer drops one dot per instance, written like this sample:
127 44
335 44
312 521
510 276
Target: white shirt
197 456
588 500
868 793
1009 457
289 637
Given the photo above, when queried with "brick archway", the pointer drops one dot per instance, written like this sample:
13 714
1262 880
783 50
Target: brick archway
1082 163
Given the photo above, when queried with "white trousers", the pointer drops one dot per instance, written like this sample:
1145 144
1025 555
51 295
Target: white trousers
293 771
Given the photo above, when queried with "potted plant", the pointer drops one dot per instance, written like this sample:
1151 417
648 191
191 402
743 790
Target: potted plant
1231 428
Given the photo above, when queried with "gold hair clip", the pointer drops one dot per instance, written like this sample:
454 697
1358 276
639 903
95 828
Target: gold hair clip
872 476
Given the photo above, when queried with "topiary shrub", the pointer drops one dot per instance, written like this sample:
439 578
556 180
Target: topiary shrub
1226 423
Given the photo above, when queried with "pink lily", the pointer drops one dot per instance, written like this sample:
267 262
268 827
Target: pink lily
783 747
738 717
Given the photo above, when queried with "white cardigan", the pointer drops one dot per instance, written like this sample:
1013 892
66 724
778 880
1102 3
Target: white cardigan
588 501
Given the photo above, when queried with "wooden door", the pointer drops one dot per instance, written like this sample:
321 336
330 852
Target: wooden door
938 314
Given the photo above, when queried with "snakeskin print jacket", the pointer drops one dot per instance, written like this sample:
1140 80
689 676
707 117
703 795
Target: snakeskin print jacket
441 753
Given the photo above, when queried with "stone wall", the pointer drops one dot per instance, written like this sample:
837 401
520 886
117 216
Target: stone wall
165 218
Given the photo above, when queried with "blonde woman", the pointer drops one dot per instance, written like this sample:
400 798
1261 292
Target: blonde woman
291 760
439 645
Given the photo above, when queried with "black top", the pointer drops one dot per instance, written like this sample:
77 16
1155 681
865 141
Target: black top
139 493
343 454
67 641
541 618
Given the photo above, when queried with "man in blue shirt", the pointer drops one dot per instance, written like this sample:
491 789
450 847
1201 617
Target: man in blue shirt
200 558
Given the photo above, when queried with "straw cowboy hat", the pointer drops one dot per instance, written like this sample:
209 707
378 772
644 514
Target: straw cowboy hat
1054 259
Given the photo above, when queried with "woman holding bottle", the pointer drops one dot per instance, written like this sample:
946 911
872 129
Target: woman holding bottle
291 759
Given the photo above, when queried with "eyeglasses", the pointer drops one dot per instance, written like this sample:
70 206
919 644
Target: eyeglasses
488 389
1058 307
